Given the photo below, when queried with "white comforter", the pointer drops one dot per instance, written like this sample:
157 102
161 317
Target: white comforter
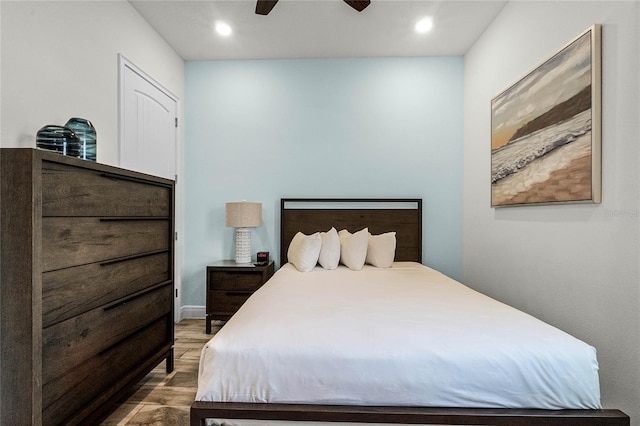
407 335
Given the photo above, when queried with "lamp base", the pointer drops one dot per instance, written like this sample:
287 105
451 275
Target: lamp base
243 245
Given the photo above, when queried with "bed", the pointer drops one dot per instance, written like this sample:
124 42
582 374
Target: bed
254 371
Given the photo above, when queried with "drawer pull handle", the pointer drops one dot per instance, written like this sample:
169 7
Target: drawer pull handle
125 218
136 295
132 179
131 257
136 333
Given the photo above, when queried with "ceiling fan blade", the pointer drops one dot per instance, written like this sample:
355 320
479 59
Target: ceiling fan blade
358 5
263 7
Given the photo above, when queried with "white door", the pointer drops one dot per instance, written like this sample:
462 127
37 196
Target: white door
149 114
149 138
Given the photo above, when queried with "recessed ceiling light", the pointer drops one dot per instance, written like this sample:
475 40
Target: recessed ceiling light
223 28
424 25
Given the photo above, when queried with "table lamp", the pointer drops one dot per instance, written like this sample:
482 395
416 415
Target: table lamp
242 215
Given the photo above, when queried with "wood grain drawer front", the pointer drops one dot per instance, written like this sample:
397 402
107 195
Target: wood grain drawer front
68 394
72 291
235 281
74 241
72 191
68 343
228 302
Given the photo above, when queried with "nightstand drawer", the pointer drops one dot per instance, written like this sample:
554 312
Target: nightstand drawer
228 302
235 281
229 285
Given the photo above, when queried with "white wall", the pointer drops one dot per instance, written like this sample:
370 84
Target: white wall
60 60
574 266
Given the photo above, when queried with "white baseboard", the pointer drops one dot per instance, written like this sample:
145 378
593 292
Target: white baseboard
192 311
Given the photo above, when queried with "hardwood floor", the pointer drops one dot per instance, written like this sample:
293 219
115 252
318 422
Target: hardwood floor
161 398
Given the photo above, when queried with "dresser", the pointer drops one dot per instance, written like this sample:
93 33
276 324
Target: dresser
229 285
86 291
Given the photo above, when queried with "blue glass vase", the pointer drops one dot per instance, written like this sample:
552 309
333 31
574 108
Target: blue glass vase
59 139
87 134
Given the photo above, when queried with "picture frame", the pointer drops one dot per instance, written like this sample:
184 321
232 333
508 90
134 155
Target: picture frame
546 130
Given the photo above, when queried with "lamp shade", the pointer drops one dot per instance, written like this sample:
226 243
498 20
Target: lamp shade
243 214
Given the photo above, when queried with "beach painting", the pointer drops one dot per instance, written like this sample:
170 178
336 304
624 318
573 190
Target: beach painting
545 130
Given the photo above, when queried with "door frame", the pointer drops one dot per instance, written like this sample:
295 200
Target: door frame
124 63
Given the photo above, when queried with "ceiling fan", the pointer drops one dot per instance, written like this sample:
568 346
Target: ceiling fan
263 7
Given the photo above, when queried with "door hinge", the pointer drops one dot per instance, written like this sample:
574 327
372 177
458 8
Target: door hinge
176 236
176 121
176 292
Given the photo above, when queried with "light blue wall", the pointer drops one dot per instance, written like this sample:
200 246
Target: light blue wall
263 130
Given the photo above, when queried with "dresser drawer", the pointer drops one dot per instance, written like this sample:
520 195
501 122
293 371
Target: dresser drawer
236 281
227 302
72 191
70 393
68 343
73 241
71 291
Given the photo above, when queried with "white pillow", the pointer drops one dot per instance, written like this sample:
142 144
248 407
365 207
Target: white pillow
304 251
353 248
330 251
381 250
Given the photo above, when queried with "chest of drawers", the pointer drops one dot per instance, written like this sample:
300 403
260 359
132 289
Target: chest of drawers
86 297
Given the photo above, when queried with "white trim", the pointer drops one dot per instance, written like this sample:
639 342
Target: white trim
192 311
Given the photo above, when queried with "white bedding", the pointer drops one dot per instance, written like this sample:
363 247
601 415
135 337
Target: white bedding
406 335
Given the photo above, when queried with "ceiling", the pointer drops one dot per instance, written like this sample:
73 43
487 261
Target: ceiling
317 28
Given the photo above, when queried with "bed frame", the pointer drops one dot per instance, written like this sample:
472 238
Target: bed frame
309 215
404 216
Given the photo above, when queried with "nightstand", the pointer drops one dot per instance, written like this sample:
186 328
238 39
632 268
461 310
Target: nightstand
229 285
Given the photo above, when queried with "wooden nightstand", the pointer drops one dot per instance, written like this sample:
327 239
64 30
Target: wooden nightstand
230 284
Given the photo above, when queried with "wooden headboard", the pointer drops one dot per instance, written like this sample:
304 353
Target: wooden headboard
309 215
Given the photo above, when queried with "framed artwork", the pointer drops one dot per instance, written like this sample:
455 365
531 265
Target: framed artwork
546 130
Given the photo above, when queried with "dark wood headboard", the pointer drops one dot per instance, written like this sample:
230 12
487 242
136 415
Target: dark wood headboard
309 215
